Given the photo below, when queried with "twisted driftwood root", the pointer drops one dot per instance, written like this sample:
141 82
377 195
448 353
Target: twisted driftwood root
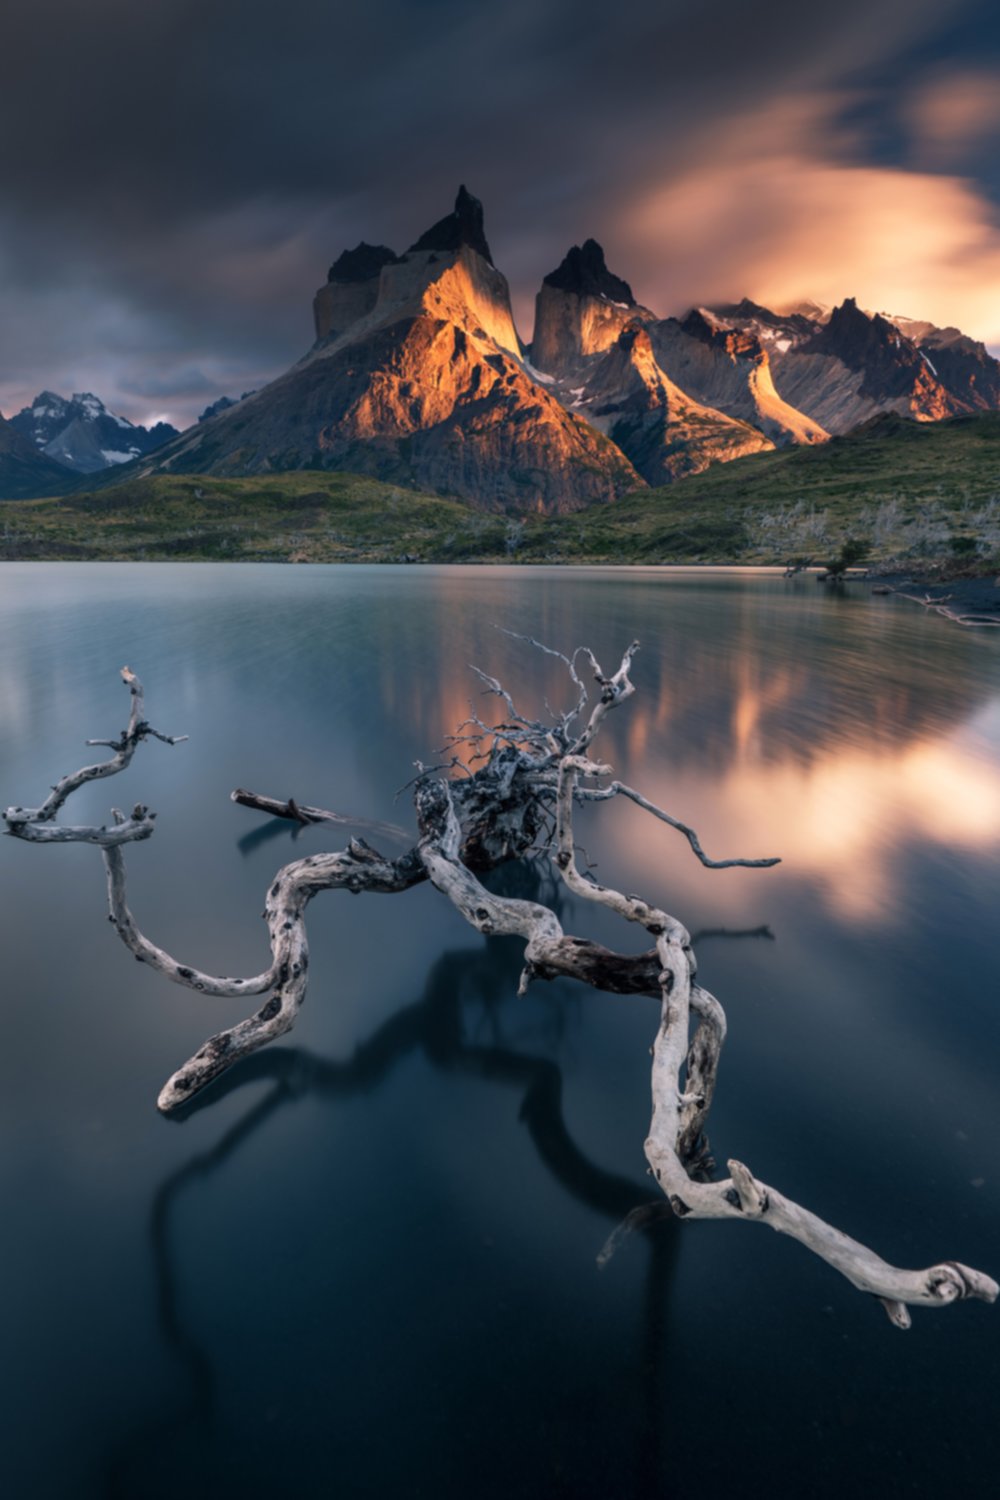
521 797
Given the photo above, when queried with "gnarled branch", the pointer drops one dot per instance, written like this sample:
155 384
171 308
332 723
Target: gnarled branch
525 789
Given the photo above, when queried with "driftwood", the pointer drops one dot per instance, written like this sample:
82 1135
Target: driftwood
940 605
521 798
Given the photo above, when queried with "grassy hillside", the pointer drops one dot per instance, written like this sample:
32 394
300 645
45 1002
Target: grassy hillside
915 494
300 517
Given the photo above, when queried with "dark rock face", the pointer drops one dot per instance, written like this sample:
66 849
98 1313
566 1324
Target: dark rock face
464 226
26 473
361 263
892 366
351 289
964 367
223 404
583 272
736 341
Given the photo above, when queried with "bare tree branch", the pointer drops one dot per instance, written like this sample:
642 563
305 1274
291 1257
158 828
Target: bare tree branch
523 793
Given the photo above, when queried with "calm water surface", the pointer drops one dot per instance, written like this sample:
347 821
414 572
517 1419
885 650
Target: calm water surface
366 1265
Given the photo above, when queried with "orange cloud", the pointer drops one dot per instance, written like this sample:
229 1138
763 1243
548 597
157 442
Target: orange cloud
776 208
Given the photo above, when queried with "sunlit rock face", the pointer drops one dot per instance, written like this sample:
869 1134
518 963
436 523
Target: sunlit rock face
425 386
580 311
351 289
727 365
661 430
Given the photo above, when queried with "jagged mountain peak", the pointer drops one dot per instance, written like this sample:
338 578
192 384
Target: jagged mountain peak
362 263
83 434
739 342
583 271
580 311
855 335
792 323
463 226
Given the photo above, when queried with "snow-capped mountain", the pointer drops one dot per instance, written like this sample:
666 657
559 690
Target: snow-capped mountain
82 434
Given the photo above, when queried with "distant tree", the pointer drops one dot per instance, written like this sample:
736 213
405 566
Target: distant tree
854 551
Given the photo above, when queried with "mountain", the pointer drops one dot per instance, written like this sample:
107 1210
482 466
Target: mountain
846 366
24 472
417 377
963 366
222 404
660 429
580 311
727 364
82 434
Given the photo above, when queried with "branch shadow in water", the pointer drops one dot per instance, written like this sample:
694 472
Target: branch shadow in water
274 828
435 1025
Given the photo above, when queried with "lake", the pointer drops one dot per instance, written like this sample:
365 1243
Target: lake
366 1264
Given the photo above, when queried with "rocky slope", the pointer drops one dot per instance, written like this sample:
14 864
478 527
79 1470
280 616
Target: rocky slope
728 366
82 434
25 472
847 366
657 426
425 386
965 368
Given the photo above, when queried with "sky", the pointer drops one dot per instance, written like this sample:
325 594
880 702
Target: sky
177 176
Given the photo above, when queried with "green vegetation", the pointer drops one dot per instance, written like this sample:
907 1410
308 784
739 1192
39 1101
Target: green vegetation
896 493
295 517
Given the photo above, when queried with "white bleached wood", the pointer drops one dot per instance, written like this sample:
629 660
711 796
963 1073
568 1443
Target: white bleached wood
35 823
529 781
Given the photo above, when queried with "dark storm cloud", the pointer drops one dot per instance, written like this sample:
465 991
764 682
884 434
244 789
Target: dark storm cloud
177 176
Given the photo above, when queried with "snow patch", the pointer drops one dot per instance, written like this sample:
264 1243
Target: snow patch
927 362
711 319
538 375
112 456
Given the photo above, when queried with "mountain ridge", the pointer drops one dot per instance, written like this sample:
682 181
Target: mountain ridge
418 376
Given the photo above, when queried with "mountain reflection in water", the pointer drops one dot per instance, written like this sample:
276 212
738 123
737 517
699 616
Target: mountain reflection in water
378 1276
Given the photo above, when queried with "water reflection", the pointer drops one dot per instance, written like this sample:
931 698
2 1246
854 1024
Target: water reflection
828 731
466 992
859 739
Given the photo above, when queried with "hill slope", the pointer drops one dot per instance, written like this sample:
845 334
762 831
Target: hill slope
24 471
919 494
916 492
